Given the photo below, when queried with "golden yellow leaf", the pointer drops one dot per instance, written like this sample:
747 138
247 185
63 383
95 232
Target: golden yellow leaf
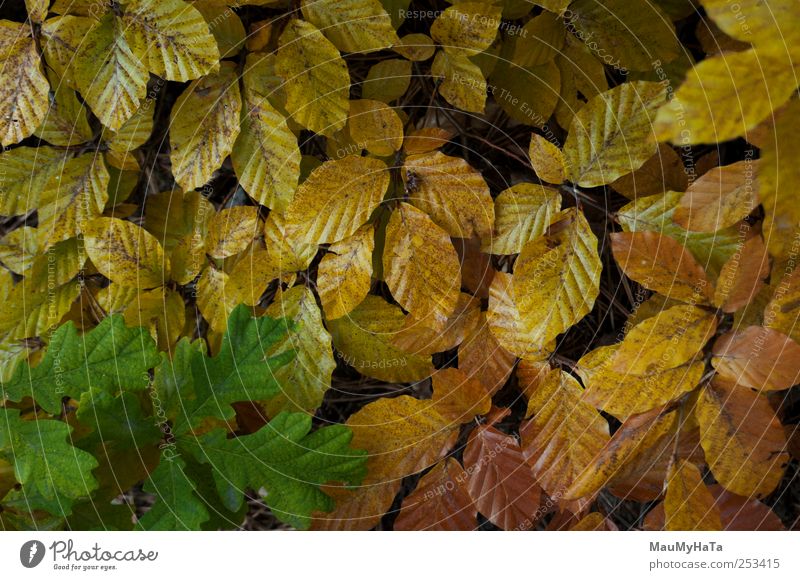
665 341
336 199
635 439
416 47
467 27
65 123
612 135
60 38
719 198
24 91
29 312
759 358
662 264
725 96
515 334
171 37
204 125
547 160
353 26
226 26
624 394
778 179
624 34
161 311
110 77
216 297
345 273
557 277
742 276
308 375
450 191
26 171
387 80
688 505
125 253
364 341
523 212
754 21
376 127
566 434
783 309
459 398
462 82
265 157
742 439
288 253
316 76
420 265
231 230
70 198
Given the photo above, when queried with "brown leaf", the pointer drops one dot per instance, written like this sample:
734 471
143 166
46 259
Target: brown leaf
759 358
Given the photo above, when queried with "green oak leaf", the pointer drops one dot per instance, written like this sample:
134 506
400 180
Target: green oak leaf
284 458
52 473
109 357
240 372
177 505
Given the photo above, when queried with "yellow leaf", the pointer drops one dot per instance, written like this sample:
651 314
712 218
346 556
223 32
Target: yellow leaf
416 47
352 26
29 312
161 311
467 27
635 439
759 358
547 160
134 132
387 80
612 135
624 34
688 505
528 95
37 10
719 198
125 253
742 439
742 277
667 340
24 88
664 171
216 297
226 26
25 171
336 199
778 179
65 123
662 264
539 41
231 230
426 140
265 157
566 434
514 333
783 309
463 84
289 253
724 97
308 375
317 79
60 38
204 124
363 340
345 273
171 37
376 127
451 192
557 277
111 78
522 212
71 198
624 394
420 265
755 21
18 249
